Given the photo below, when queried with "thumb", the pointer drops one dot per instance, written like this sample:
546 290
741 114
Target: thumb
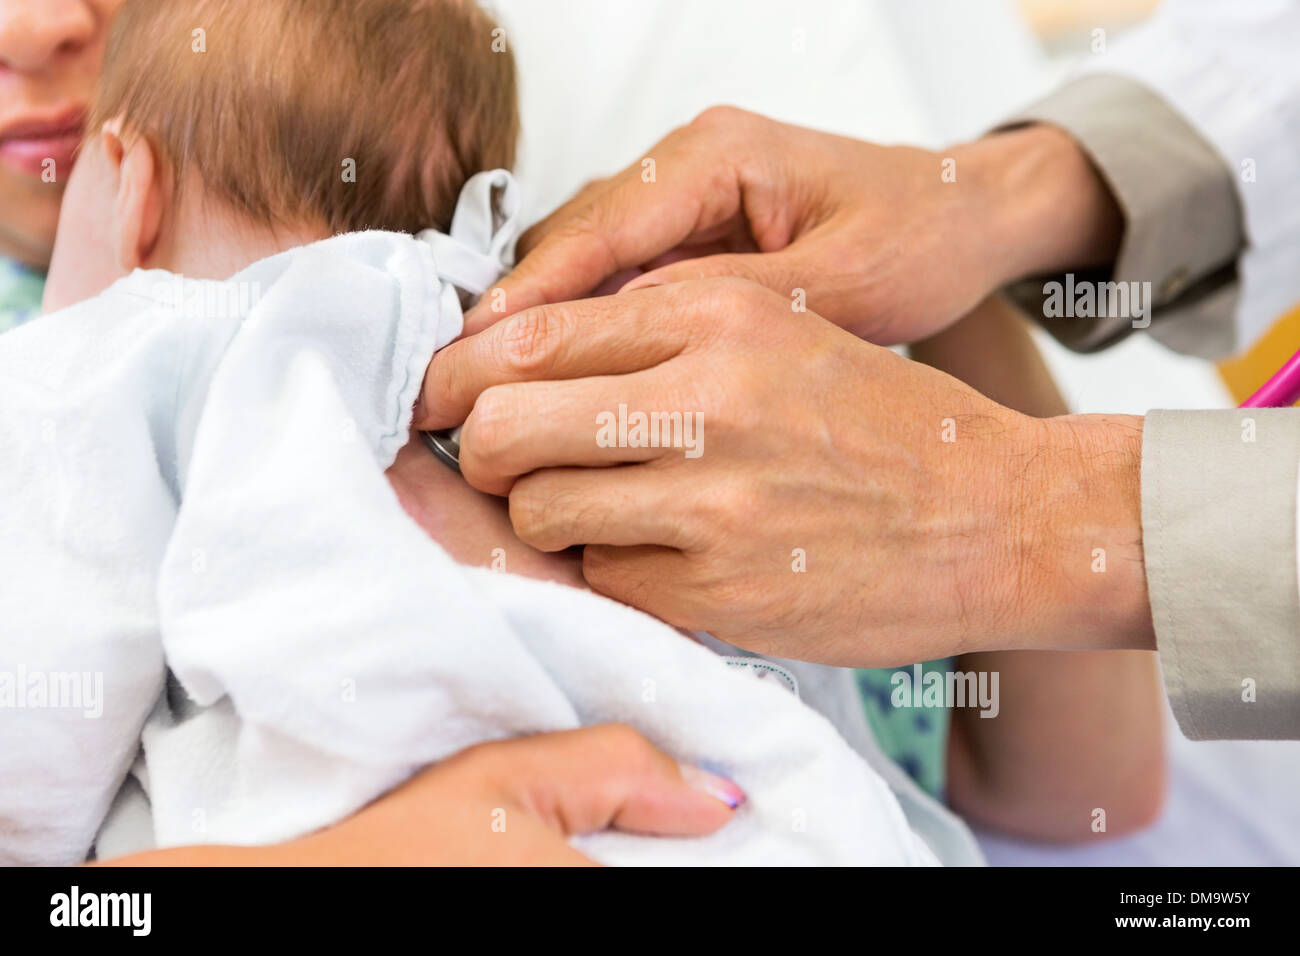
779 270
592 779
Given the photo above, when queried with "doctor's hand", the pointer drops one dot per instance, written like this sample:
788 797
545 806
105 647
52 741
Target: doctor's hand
889 242
826 500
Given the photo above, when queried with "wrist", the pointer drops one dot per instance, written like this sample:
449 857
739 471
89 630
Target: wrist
1045 206
1075 495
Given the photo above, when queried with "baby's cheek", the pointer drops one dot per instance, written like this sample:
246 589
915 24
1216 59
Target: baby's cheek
414 504
85 261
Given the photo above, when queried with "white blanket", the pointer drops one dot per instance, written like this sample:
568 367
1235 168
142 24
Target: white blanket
193 483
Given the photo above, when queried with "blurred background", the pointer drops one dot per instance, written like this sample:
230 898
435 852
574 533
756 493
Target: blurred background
601 82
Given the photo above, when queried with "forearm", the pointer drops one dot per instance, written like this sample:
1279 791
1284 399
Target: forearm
1075 732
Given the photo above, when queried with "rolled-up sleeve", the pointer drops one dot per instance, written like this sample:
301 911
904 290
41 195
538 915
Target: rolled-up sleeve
1219 520
1182 217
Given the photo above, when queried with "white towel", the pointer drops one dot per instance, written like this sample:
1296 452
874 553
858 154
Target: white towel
322 647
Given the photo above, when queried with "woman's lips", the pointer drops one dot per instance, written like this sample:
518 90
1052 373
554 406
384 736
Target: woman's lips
27 145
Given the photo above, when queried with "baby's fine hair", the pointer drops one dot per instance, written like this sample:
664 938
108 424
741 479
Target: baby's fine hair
356 114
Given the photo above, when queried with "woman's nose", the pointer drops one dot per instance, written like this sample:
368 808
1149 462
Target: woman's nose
34 32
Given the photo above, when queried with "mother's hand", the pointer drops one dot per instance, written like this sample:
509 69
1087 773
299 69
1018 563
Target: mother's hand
848 506
505 803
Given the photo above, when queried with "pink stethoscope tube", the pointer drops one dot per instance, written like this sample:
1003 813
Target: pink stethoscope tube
1280 391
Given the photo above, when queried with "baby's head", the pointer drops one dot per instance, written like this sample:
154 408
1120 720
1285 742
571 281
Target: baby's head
224 131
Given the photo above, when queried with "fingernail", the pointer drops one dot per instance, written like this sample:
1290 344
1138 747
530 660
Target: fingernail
720 788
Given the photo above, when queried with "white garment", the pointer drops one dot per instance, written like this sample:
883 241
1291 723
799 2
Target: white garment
213 489
1232 71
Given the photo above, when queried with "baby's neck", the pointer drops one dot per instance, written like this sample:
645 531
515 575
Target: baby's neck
204 239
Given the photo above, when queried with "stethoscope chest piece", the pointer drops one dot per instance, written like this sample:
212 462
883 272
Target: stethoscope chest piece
445 445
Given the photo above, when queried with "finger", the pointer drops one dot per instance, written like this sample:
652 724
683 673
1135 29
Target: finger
655 579
588 780
604 420
493 311
606 336
557 508
696 250
628 222
491 306
584 197
781 271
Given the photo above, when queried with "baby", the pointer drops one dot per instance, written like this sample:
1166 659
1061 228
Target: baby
193 505
378 124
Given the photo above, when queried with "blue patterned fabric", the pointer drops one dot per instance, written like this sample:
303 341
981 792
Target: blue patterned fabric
915 738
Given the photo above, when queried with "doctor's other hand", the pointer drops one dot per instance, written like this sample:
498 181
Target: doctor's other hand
811 495
892 243
505 803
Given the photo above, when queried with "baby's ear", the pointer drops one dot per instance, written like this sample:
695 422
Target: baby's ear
141 198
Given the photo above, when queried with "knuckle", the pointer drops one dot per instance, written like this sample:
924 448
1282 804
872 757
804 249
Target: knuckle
527 516
541 515
479 761
627 743
720 514
722 116
493 413
490 428
755 295
731 298
531 339
586 230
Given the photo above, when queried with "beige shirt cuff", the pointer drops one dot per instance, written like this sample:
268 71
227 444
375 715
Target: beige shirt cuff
1183 219
1219 524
